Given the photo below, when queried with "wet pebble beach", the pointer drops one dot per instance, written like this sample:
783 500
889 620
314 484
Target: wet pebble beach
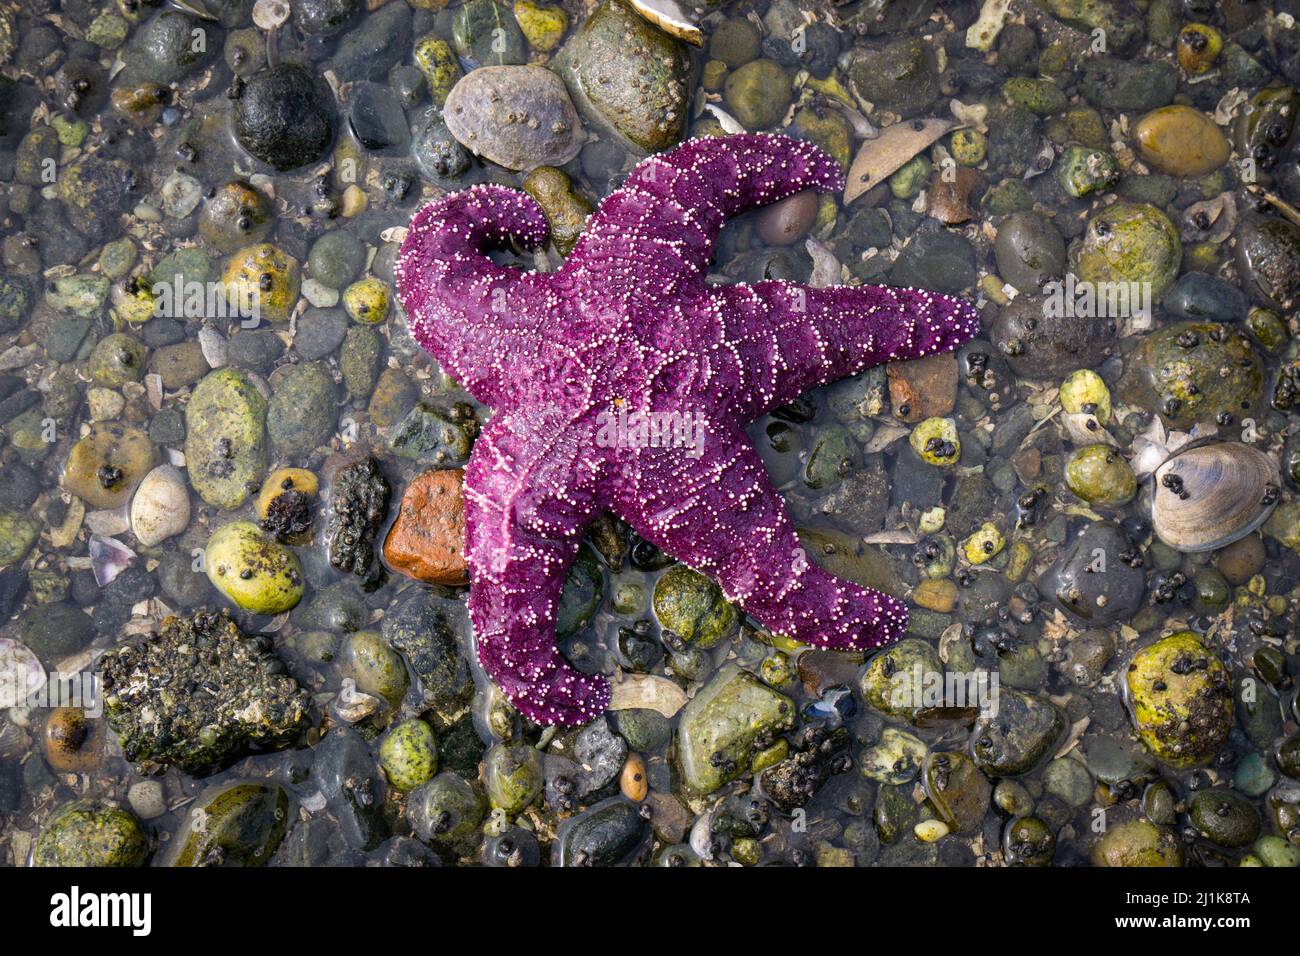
233 625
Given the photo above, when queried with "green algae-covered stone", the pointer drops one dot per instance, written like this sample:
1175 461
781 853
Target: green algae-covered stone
512 776
117 360
1138 843
1083 171
1131 242
300 415
1192 371
721 725
90 833
237 824
628 76
262 281
224 441
409 755
486 33
253 570
692 607
1099 475
1180 697
1224 817
18 532
367 301
893 682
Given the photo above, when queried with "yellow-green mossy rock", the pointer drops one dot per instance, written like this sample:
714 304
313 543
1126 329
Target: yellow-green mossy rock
261 281
1180 697
252 570
1131 242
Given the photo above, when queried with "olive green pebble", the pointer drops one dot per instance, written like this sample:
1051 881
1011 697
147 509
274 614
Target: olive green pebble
1099 475
1224 817
735 41
1275 851
435 58
758 93
367 301
409 755
692 607
1084 392
512 777
336 258
910 179
374 667
90 833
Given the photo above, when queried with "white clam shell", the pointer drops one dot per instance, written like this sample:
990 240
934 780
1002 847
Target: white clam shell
1230 489
161 507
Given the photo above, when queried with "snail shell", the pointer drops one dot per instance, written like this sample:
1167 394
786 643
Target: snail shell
1208 496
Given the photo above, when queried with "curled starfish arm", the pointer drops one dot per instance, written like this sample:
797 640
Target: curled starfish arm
527 502
720 515
791 338
471 314
659 228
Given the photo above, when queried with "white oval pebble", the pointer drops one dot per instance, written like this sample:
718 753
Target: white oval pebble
161 507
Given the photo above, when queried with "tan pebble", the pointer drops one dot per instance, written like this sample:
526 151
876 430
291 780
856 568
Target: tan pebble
633 781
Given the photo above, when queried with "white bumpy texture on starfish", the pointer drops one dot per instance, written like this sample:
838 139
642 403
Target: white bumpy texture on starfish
629 325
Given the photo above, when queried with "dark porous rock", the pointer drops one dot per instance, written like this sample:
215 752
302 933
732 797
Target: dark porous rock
819 752
1098 578
1128 85
438 155
199 694
1268 259
938 260
285 116
423 628
353 787
259 349
601 753
608 834
95 192
358 505
1042 342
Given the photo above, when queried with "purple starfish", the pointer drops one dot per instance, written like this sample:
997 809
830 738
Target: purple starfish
629 325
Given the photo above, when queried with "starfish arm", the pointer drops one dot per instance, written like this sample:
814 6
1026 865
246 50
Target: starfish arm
719 514
791 338
474 316
527 501
657 231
